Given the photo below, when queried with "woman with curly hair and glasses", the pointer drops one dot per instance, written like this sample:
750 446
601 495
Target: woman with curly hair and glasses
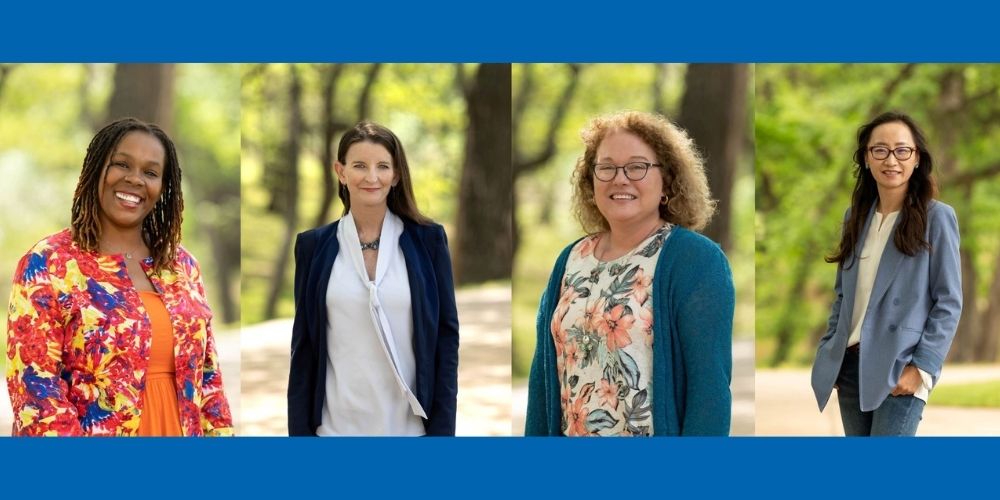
898 290
109 332
635 326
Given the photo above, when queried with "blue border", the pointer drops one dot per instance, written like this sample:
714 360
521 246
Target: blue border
512 31
509 467
515 31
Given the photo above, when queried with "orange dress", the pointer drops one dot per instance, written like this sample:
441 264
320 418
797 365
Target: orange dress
160 414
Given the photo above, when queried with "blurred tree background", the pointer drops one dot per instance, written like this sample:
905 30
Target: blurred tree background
49 113
553 102
807 117
453 120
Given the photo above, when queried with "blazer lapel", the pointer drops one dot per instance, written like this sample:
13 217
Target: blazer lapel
323 261
414 273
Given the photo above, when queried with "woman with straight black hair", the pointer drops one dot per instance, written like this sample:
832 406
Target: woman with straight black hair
899 286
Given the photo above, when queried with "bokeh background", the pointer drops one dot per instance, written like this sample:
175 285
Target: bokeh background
454 123
807 117
48 115
551 104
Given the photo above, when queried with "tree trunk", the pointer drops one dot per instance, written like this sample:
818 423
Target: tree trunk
483 243
660 73
143 91
5 70
988 350
713 110
331 76
522 163
288 208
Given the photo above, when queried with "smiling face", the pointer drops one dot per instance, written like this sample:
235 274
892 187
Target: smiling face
892 173
622 201
368 173
132 180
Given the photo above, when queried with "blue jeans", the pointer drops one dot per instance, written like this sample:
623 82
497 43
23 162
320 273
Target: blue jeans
896 416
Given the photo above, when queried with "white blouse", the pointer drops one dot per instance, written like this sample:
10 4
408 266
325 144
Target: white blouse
370 365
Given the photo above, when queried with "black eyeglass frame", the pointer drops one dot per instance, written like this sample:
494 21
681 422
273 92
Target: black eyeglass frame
889 150
624 169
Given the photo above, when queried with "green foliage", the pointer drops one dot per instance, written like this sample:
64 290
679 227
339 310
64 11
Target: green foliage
974 395
807 117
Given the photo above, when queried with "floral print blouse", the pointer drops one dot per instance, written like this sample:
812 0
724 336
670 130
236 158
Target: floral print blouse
78 344
603 334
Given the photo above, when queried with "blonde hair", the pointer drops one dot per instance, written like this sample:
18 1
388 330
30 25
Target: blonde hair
689 201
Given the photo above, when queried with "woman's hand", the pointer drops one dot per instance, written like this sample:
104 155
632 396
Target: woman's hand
909 382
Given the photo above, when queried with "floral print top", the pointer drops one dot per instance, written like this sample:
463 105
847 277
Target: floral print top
78 344
603 334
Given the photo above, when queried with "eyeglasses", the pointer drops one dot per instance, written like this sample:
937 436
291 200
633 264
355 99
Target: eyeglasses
634 171
882 152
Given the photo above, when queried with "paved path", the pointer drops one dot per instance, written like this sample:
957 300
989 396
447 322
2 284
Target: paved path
484 389
786 406
228 346
742 387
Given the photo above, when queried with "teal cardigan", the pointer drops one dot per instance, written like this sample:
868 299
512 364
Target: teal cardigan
693 301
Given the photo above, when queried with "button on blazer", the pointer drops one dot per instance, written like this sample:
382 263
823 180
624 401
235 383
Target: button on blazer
911 317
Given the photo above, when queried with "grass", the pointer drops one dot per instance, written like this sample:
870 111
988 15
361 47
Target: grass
973 395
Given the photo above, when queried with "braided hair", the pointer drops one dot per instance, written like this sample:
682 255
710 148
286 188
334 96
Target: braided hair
161 229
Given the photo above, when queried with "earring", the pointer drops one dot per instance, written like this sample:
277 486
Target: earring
663 200
867 167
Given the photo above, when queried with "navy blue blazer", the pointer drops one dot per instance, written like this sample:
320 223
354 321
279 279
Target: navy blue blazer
435 325
912 314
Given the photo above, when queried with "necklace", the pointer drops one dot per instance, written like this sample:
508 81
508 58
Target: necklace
372 245
128 255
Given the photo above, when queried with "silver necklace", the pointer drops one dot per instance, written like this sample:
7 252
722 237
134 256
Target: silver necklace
126 253
371 245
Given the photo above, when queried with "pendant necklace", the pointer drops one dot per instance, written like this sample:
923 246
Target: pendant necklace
371 245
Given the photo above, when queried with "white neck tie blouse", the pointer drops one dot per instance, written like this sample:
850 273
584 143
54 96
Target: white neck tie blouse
371 370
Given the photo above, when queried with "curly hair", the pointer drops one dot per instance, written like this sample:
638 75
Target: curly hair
161 229
689 203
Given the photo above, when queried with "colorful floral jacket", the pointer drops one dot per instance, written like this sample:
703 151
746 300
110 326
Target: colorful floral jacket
78 343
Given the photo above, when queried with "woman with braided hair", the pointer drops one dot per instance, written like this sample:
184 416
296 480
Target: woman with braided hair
109 329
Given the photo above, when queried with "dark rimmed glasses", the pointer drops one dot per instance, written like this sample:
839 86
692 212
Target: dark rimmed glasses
882 152
634 170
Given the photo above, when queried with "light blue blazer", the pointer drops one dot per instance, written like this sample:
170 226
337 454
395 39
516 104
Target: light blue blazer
911 317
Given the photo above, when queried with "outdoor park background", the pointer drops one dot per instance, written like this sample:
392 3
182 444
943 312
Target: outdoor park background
807 117
454 123
452 120
48 115
551 104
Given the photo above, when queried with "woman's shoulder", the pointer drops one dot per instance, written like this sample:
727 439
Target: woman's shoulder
682 239
430 232
320 232
59 242
937 209
185 258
